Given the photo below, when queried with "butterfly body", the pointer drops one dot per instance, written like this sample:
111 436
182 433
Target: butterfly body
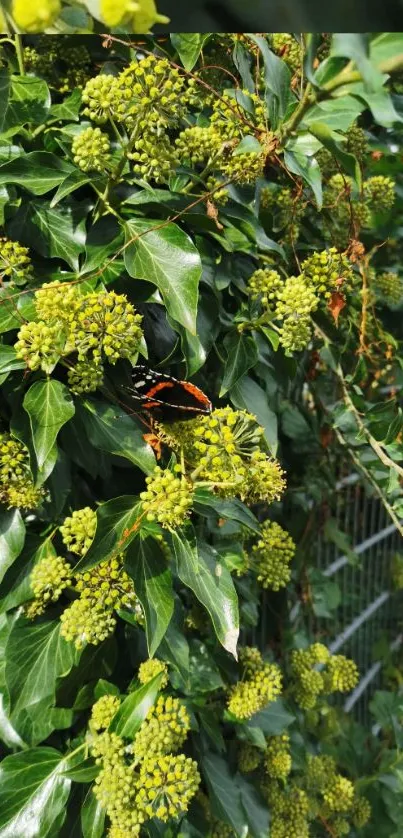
166 397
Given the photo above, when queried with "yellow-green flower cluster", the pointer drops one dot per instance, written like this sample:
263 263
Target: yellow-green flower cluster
338 674
164 729
91 150
78 530
101 97
16 486
116 785
154 158
86 622
361 811
235 116
103 711
328 271
35 17
249 757
272 555
139 15
265 285
379 192
288 49
250 659
356 142
167 499
390 285
278 757
95 326
197 145
296 301
152 667
153 91
15 262
289 811
258 688
167 785
48 579
244 168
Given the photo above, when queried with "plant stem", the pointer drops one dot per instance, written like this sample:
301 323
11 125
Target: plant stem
307 100
20 54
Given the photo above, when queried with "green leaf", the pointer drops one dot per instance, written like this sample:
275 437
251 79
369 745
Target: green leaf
147 565
174 647
9 316
168 258
37 171
247 395
224 793
255 809
8 359
12 537
242 354
111 429
386 45
336 114
33 791
134 709
232 509
15 588
387 708
92 817
53 233
323 133
188 46
73 181
355 45
4 94
29 102
49 406
275 719
277 77
212 584
116 527
308 169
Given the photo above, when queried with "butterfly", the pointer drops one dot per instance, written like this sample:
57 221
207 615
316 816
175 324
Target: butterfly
166 397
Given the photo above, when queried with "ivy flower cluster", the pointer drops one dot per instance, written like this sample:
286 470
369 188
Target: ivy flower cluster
168 498
350 209
94 327
15 263
139 15
64 64
258 687
17 489
145 778
271 556
337 674
389 285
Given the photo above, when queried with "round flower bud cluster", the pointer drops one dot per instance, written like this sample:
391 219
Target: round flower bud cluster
196 145
57 301
339 674
101 97
168 499
356 142
278 757
139 15
271 556
390 286
152 667
220 195
264 285
289 809
35 17
40 345
339 794
91 150
256 690
328 271
361 811
86 622
116 791
154 158
318 770
153 93
264 480
234 116
15 263
105 323
295 303
244 168
85 377
107 585
78 530
166 786
379 191
164 729
249 757
251 660
40 63
16 486
48 579
103 711
288 49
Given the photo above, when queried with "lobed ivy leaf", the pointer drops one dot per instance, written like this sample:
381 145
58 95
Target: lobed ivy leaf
134 709
147 565
108 427
247 395
37 171
12 537
33 792
188 46
49 406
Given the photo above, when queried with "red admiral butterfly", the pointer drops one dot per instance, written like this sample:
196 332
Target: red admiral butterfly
163 394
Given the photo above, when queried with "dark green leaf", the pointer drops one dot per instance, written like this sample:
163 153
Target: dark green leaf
355 45
116 527
224 793
323 133
92 817
33 791
275 719
255 809
134 709
174 646
9 360
233 509
49 406
108 427
37 171
168 258
242 355
29 101
308 169
247 395
277 76
12 537
188 46
4 94
53 233
147 565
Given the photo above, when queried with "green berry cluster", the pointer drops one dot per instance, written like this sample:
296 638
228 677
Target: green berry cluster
168 498
152 667
357 143
296 301
390 286
272 555
48 579
249 757
235 115
196 145
166 786
152 91
379 191
339 674
101 98
265 285
244 168
94 326
328 271
86 622
164 729
288 49
154 158
221 194
91 150
278 757
255 690
250 660
15 262
103 712
289 811
16 486
78 530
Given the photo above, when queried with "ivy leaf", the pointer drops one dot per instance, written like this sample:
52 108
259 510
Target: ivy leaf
33 792
273 720
8 358
355 45
247 395
242 354
188 46
212 584
168 258
134 709
12 537
116 527
308 169
37 171
57 233
277 78
29 101
174 647
92 817
49 406
4 94
230 508
224 793
323 133
254 807
147 565
111 429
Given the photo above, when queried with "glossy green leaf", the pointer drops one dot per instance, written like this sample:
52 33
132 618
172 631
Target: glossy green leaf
29 102
230 508
12 537
255 808
247 395
108 427
33 791
355 45
212 584
15 588
276 75
49 406
9 360
147 565
57 233
273 720
174 647
168 258
134 709
224 793
241 356
4 94
323 133
92 817
188 46
37 171
116 527
308 169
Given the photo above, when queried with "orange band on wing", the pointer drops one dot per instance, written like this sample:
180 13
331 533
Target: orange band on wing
191 388
161 386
